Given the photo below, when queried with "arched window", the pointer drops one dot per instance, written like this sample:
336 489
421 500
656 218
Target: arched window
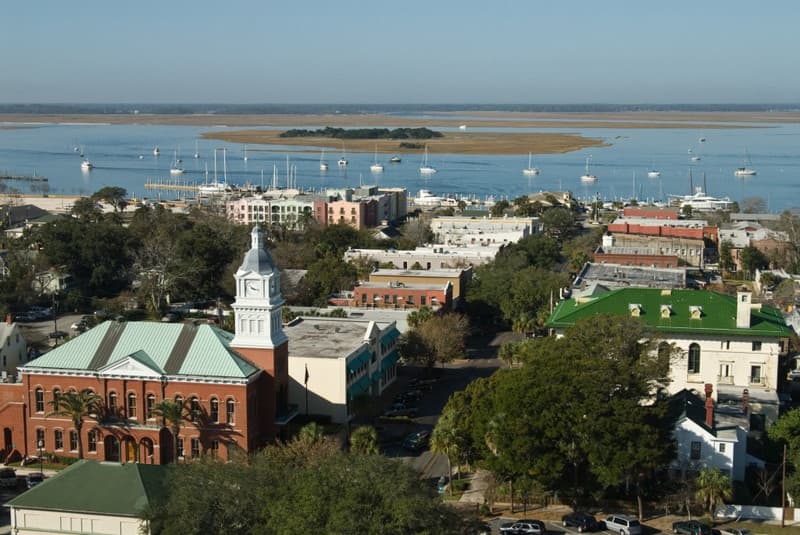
179 400
694 358
112 401
132 406
92 445
214 414
194 406
56 394
58 436
73 440
230 410
39 396
151 402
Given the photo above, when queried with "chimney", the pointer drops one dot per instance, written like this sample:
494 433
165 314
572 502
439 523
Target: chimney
9 319
743 309
746 401
709 406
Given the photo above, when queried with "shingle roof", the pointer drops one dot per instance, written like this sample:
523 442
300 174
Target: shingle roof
169 348
718 312
101 488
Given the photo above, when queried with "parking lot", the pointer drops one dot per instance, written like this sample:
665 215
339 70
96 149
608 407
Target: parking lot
553 527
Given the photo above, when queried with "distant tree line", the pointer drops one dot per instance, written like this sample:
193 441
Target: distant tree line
364 133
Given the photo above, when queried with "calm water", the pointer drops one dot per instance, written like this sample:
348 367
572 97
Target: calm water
115 151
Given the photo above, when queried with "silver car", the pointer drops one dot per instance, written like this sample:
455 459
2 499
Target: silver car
624 525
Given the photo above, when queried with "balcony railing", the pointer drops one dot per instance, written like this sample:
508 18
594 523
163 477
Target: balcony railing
762 381
725 379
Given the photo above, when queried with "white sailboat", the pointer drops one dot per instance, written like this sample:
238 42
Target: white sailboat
530 170
653 172
426 169
245 153
175 169
343 161
86 165
395 159
156 152
587 177
196 151
747 168
376 167
323 165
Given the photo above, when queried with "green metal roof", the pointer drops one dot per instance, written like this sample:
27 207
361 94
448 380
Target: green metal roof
718 312
169 348
97 488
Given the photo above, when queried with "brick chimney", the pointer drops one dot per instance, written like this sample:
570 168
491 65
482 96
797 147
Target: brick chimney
709 405
746 401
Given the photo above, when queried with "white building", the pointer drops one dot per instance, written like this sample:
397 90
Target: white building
334 361
436 257
482 231
13 348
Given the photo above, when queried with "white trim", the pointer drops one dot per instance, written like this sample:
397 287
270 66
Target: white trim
170 378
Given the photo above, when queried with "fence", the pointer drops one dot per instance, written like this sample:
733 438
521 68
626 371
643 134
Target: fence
756 512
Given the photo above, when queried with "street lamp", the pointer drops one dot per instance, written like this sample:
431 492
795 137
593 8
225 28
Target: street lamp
41 456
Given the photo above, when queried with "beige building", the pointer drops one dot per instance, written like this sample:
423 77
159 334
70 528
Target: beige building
484 231
437 257
457 277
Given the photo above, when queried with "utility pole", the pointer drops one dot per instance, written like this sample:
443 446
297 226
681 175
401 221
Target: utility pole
783 489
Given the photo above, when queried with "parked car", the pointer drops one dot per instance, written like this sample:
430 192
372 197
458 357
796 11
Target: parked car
690 527
523 527
8 478
25 317
79 326
734 531
416 441
581 521
33 479
410 412
624 525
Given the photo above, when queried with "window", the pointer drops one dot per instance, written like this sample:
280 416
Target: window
422 300
230 409
151 402
694 358
695 453
756 345
194 405
40 439
112 401
92 446
214 449
73 440
39 399
214 410
180 447
179 400
722 447
132 406
59 439
195 447
56 394
755 375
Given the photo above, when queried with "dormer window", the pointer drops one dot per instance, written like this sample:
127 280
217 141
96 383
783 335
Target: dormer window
635 309
695 312
666 311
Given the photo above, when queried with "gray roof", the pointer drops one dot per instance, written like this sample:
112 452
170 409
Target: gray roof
327 337
257 259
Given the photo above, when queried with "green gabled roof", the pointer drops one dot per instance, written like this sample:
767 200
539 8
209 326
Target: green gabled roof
169 348
718 312
98 488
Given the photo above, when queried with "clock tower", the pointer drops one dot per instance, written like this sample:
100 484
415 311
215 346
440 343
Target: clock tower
258 304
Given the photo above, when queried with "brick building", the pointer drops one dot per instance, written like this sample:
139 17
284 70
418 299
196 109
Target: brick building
236 386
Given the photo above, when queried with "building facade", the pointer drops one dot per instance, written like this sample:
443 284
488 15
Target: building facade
481 231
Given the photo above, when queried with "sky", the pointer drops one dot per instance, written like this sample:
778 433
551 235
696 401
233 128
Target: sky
408 51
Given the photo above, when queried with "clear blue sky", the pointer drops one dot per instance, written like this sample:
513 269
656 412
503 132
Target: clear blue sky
406 51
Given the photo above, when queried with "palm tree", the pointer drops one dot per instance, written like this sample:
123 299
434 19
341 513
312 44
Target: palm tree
77 406
364 440
445 440
712 487
311 433
173 413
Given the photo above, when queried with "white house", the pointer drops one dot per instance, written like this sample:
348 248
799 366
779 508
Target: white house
710 435
725 341
13 347
334 361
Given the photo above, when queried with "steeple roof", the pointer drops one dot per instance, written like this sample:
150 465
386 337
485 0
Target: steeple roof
257 259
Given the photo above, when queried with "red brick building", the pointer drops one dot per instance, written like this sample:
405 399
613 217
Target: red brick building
236 387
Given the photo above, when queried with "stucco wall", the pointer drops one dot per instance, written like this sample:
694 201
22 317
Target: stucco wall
32 522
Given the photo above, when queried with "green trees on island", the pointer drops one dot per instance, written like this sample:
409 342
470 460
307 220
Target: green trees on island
364 133
580 414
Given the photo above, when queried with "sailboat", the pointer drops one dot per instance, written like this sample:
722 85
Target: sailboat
426 169
376 167
245 153
174 169
747 169
530 170
653 172
156 152
86 165
323 165
395 159
342 161
196 151
588 177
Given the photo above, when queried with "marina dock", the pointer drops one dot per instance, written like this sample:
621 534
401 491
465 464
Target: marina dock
23 178
171 185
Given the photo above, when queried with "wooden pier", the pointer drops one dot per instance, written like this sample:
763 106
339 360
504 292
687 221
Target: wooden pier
171 185
23 178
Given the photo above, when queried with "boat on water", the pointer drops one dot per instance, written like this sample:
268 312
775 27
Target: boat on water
530 170
426 169
86 165
653 173
212 188
196 151
323 165
587 177
695 158
747 168
395 159
343 160
156 152
175 169
376 167
427 199
702 140
702 201
245 153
